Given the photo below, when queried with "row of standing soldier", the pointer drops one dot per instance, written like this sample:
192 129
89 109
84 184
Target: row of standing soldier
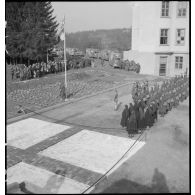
35 70
148 103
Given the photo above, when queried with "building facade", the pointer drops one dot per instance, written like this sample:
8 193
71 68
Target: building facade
160 37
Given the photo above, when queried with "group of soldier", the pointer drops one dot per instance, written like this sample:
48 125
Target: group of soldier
24 72
149 102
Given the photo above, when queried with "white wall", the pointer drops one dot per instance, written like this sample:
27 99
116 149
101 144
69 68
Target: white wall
146 25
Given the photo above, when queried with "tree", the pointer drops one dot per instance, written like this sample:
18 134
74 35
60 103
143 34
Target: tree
13 28
31 29
46 29
119 39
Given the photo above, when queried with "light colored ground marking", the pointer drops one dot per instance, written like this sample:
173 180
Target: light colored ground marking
28 132
42 181
91 150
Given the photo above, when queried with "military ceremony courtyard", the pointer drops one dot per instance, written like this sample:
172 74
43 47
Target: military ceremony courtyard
97 101
83 139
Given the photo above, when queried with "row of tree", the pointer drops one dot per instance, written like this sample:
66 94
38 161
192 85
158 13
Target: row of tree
114 39
30 31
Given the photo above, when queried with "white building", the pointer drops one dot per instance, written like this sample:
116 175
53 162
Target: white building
160 37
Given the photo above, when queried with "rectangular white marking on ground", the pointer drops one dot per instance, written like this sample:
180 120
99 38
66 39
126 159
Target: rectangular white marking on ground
138 145
42 181
28 132
91 150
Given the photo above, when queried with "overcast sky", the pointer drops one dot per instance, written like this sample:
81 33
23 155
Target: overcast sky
93 15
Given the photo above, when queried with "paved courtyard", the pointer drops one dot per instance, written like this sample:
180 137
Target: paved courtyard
36 153
69 148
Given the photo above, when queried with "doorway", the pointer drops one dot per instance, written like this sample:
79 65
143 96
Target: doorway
163 65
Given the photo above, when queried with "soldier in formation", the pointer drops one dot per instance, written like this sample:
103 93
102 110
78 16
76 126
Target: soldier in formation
149 102
39 69
35 70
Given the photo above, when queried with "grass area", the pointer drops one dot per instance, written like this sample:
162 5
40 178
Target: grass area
44 91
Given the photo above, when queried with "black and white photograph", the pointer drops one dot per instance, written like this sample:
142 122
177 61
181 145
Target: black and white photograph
97 97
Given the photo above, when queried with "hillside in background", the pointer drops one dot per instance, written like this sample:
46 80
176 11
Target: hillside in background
114 39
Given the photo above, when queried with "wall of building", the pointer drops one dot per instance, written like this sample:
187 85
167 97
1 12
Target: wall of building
146 25
173 22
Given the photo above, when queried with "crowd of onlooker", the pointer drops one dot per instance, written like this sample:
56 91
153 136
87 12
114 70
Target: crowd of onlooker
24 72
36 70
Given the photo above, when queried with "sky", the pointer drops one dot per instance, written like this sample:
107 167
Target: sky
81 16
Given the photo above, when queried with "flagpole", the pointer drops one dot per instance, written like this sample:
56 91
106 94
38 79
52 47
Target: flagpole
65 60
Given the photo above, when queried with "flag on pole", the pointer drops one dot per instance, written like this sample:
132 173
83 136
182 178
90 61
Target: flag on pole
6 37
62 37
61 32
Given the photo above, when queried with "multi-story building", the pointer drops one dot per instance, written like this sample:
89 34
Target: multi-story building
160 37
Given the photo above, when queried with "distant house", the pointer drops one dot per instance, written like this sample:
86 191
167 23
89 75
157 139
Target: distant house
92 53
160 37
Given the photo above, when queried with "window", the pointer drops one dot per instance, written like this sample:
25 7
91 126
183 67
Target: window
178 62
163 64
182 7
180 37
165 9
164 36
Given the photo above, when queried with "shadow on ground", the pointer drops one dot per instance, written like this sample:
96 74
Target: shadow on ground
179 137
52 186
158 185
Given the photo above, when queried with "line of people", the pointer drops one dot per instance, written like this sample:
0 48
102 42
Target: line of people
35 70
149 103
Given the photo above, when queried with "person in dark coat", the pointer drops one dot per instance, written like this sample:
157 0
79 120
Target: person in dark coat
125 116
130 108
148 116
156 110
144 106
136 109
152 114
131 124
142 118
